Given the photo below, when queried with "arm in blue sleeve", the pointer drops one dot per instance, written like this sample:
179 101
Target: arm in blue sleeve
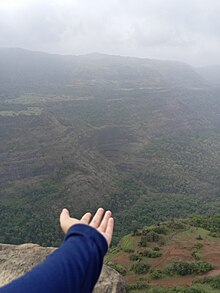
74 267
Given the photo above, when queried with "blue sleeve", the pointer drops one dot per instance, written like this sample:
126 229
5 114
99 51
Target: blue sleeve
74 267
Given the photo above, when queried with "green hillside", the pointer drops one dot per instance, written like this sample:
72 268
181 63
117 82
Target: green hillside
138 136
172 256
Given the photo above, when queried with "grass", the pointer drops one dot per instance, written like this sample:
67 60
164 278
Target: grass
127 242
193 233
113 253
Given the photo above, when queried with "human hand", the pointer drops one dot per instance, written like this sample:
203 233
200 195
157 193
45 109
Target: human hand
103 224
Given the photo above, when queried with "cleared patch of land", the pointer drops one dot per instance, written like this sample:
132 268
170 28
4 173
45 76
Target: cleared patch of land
180 244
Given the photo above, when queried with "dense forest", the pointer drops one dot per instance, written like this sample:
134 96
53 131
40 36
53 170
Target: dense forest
138 136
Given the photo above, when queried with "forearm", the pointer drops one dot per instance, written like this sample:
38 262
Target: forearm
74 267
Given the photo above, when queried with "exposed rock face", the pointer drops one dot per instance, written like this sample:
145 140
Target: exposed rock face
110 281
15 260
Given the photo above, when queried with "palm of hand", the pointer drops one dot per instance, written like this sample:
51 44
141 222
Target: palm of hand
103 224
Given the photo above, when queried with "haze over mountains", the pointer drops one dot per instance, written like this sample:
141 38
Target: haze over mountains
210 73
139 136
30 69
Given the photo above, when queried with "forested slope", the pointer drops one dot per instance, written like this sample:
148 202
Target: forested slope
138 136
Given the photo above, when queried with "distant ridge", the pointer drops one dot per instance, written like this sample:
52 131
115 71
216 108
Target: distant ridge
210 73
26 70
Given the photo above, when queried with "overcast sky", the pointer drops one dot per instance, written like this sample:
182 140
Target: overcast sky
185 30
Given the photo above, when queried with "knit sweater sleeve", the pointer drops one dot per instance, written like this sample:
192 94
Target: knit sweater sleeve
74 267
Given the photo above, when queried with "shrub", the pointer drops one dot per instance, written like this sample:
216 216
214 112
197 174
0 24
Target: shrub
157 229
188 268
156 274
214 234
198 246
176 225
151 236
156 248
151 253
143 241
135 256
202 267
160 230
140 267
136 233
195 255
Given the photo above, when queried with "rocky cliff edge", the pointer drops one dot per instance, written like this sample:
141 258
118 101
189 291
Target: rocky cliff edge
15 260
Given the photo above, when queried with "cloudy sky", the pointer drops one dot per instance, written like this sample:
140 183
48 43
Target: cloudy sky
185 30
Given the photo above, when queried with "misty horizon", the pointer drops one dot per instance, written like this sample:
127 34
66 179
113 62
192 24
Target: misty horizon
106 54
184 31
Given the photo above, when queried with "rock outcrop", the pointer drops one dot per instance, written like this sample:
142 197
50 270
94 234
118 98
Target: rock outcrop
15 260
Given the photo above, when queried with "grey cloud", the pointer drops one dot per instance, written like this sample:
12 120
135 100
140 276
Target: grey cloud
183 30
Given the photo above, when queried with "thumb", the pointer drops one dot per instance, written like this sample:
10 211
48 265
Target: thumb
66 221
64 215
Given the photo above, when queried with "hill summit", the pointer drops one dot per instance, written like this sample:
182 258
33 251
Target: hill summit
173 256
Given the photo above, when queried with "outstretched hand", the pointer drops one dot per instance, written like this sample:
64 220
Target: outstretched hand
104 224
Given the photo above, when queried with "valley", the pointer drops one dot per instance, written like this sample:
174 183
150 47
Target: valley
140 137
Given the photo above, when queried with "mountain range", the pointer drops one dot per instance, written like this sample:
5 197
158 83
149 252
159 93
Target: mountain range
138 136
